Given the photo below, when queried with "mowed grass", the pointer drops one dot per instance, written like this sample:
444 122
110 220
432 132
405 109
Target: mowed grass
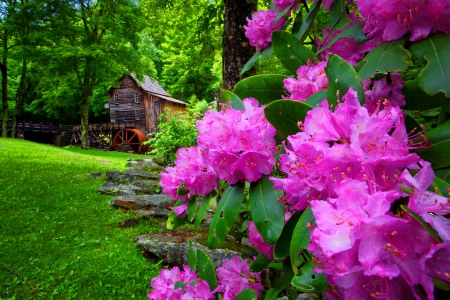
58 237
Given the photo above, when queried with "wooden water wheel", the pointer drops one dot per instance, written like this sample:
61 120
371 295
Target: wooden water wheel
131 137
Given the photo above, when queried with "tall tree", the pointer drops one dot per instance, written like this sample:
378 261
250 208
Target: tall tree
236 47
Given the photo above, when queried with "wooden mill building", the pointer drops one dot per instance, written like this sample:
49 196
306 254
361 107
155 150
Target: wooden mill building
138 105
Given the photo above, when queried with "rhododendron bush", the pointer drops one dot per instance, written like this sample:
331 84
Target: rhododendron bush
342 191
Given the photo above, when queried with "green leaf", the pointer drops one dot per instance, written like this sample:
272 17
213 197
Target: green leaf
272 293
441 187
283 244
341 76
435 77
317 98
417 99
387 57
283 12
438 154
265 88
192 208
354 32
309 21
206 269
424 224
174 221
206 203
440 284
182 191
251 62
267 212
443 174
247 294
231 98
297 22
290 52
266 53
225 215
192 257
284 115
300 236
260 263
308 281
338 14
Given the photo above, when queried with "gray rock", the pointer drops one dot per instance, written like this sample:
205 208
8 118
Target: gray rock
172 246
96 175
130 176
148 186
135 202
109 188
153 212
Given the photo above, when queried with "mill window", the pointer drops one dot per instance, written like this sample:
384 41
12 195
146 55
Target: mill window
136 98
116 99
138 114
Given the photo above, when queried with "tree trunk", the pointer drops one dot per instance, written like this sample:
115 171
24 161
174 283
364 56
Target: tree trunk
20 96
236 47
85 122
4 70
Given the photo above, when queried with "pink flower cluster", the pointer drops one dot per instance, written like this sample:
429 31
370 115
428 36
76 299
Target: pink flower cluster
164 285
233 277
349 165
282 4
260 27
389 87
310 79
233 145
392 19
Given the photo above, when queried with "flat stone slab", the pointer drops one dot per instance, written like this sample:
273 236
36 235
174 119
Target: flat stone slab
136 202
172 246
130 176
110 188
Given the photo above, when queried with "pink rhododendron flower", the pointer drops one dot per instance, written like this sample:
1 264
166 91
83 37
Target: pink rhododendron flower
240 144
164 285
260 27
436 265
234 277
388 88
282 4
392 19
191 171
310 79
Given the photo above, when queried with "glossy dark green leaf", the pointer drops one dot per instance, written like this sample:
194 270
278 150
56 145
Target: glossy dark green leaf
233 99
438 154
266 53
338 14
267 212
284 115
246 295
225 215
440 284
441 187
387 57
192 257
341 76
283 244
206 203
435 77
424 224
317 98
354 32
443 174
290 52
308 281
412 125
265 88
282 13
182 191
417 99
308 23
300 236
192 208
174 221
439 134
297 22
206 269
260 263
251 62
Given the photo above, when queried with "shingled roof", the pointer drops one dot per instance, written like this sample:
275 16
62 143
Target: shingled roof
151 86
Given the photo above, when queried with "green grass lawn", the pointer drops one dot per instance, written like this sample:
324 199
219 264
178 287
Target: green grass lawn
58 237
